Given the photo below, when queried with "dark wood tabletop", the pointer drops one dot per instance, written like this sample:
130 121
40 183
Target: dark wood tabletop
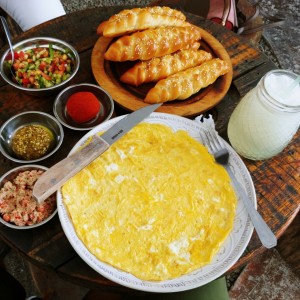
276 180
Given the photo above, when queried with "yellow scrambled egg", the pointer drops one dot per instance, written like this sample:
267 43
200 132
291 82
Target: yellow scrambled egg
155 204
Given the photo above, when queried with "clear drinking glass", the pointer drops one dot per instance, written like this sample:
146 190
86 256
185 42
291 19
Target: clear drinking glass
267 117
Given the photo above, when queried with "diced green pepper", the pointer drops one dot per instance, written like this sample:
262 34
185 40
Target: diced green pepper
51 51
42 63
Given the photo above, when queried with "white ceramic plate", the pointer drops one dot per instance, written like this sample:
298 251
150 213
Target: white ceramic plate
229 253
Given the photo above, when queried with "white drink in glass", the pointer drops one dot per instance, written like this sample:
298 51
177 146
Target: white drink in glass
267 117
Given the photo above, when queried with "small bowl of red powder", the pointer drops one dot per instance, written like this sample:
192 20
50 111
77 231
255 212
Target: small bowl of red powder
83 106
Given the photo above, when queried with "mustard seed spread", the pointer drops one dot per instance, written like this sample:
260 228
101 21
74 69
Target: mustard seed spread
32 142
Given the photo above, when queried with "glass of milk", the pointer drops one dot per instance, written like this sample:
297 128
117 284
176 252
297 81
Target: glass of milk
267 117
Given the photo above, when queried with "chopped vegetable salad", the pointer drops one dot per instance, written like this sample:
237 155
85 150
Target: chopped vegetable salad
41 67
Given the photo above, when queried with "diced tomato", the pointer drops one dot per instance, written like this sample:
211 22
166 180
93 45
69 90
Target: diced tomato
61 67
47 77
57 64
21 55
42 66
16 66
25 81
46 54
9 56
51 68
59 72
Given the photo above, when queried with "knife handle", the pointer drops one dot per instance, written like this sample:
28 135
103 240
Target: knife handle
57 175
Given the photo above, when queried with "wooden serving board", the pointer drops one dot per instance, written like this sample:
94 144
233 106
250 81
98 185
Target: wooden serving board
131 98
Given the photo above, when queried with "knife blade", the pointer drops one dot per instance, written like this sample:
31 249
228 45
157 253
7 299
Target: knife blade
57 175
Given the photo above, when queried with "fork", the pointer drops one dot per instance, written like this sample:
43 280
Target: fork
215 145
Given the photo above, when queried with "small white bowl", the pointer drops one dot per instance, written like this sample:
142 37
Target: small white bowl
9 176
9 128
106 106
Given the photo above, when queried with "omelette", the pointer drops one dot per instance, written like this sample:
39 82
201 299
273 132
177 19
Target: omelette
155 204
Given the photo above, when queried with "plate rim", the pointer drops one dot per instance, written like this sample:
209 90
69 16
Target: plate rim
166 286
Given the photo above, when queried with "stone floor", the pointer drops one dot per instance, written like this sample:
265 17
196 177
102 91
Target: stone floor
268 277
276 274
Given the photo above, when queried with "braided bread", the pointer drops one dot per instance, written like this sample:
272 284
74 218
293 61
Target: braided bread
130 20
193 46
151 43
186 83
159 68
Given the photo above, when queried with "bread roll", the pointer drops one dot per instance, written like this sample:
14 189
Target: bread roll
193 46
151 43
130 20
186 83
161 67
161 10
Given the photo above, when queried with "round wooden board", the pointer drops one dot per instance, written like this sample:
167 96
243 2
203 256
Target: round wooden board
131 98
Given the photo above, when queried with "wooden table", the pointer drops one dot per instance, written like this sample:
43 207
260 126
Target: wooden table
276 180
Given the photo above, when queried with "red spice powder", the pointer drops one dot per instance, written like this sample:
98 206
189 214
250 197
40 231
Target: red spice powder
83 106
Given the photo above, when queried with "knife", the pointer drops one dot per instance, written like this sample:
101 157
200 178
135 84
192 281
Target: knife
56 176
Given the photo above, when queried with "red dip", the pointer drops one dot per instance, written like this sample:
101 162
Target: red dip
83 107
